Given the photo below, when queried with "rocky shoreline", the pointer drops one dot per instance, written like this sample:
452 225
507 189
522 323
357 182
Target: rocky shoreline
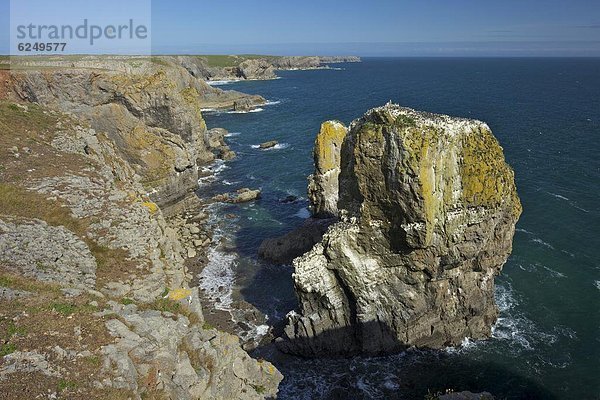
105 233
100 228
240 68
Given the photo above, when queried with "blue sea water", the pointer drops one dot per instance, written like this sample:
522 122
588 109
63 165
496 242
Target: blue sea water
546 115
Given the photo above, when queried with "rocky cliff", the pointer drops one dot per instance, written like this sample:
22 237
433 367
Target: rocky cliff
150 108
95 299
215 68
427 208
323 184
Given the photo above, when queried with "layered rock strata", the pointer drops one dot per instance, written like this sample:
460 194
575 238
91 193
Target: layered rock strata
153 114
94 289
252 67
427 208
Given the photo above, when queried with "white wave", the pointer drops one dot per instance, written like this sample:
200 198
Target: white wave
535 238
222 82
597 284
254 110
228 183
272 102
303 213
217 278
514 327
554 273
206 180
568 253
369 389
466 345
215 168
210 173
233 134
545 244
278 146
524 231
571 202
208 109
558 196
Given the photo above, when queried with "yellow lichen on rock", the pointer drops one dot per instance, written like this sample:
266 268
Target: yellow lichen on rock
152 207
486 179
179 294
328 144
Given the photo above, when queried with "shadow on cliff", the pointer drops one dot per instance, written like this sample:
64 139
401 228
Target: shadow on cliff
408 374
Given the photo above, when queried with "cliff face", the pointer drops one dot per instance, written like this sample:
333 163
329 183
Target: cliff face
250 67
152 111
323 184
427 209
94 291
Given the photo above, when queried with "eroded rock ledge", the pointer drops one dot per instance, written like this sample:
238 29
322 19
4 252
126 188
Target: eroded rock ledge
95 296
427 208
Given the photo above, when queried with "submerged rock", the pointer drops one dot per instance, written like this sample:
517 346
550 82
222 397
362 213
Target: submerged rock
427 209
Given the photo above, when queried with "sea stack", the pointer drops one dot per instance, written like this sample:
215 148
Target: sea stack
427 208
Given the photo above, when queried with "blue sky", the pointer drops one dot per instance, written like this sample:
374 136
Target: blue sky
376 27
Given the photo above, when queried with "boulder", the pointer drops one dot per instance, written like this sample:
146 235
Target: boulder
245 104
241 196
282 250
268 145
427 208
245 195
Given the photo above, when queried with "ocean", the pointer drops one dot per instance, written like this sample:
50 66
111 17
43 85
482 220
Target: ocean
546 115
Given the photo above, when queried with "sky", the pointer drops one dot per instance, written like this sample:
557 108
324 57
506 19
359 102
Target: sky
364 28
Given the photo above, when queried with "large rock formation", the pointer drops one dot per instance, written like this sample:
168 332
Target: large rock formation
323 184
427 209
322 194
150 109
217 68
95 296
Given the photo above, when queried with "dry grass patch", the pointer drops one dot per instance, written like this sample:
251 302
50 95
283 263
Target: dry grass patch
17 201
46 319
113 264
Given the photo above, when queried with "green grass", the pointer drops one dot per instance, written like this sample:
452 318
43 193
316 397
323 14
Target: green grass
125 301
166 305
6 282
230 61
7 348
64 385
15 330
165 292
259 389
64 309
94 360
